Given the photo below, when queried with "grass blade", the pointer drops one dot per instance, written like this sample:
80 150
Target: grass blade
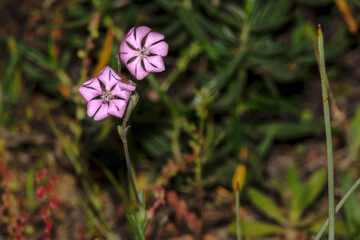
328 134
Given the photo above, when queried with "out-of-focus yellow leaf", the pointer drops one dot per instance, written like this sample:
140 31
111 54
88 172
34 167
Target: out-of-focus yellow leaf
347 14
142 181
223 192
64 90
105 52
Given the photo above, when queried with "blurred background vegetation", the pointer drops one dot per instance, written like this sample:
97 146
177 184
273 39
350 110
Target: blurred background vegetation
241 85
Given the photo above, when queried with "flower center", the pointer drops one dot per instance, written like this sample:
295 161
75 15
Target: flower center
106 96
143 52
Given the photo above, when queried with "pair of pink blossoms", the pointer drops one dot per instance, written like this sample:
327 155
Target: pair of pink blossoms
142 52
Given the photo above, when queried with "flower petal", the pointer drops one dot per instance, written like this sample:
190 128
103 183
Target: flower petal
130 38
130 32
136 69
88 93
127 87
102 113
90 89
154 64
123 90
93 106
117 108
93 83
125 48
104 76
132 66
140 72
114 79
140 33
160 48
125 57
121 93
152 38
109 77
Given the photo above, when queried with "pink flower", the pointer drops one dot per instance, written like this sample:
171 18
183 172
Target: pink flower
106 95
142 51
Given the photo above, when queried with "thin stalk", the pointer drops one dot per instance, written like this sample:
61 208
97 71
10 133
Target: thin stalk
198 174
131 176
238 227
175 145
118 63
199 194
128 162
337 209
2 119
84 69
328 135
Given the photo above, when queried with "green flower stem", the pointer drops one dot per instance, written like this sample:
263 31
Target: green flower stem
128 162
328 135
198 171
175 145
238 227
337 209
2 119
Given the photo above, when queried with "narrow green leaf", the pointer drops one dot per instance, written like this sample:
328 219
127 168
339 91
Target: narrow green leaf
290 130
355 127
15 87
293 178
266 205
36 56
266 143
314 186
190 22
257 229
338 207
12 64
297 193
30 189
329 145
340 227
113 181
221 79
351 207
134 226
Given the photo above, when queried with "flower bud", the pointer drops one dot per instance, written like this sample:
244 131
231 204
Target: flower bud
239 177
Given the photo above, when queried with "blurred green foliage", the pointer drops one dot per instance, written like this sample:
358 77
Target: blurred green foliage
296 197
236 77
